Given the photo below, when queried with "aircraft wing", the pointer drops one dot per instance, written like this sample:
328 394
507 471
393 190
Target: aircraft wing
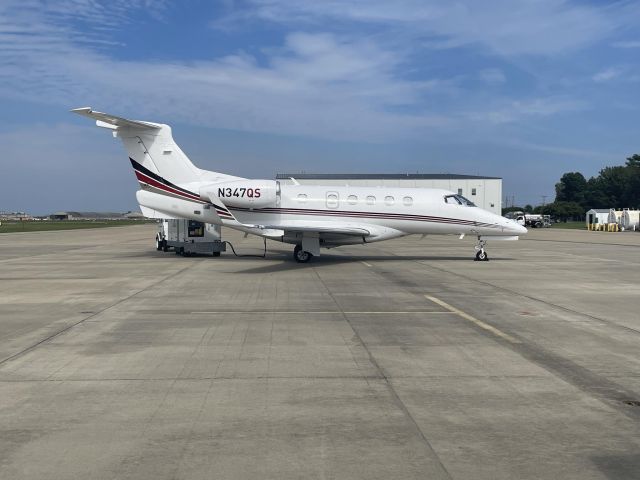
111 121
325 227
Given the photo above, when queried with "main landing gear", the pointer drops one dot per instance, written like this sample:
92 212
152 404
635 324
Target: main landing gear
481 254
300 255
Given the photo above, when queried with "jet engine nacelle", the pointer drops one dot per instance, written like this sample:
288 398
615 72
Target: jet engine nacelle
243 193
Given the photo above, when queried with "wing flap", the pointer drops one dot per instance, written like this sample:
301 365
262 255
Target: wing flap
337 229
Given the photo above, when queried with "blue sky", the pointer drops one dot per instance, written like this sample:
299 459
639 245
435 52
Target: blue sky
525 90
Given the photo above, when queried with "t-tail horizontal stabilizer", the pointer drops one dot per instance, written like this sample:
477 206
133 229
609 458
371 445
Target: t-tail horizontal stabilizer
111 121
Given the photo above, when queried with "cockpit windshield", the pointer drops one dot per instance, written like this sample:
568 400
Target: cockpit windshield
458 200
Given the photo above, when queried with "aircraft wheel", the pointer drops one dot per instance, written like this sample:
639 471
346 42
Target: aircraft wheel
300 255
482 256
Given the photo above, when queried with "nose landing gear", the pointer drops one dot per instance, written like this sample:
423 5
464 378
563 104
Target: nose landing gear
481 254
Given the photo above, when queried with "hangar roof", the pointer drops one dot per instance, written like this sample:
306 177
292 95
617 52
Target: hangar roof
382 176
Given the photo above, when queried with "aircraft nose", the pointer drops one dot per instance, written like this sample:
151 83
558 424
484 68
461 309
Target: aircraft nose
516 228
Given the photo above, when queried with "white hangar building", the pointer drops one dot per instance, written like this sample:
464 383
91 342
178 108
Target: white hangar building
485 192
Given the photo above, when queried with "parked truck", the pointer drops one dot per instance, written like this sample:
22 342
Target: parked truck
189 237
533 220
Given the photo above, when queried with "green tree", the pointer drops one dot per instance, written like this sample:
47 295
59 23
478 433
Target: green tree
613 187
564 210
632 195
613 183
571 188
528 208
594 196
633 161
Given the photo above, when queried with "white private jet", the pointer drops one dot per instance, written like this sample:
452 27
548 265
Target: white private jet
308 217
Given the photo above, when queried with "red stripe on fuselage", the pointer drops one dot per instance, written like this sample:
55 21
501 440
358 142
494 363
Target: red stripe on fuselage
145 179
372 215
151 181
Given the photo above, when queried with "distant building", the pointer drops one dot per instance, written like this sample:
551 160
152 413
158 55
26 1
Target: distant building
598 215
15 216
485 192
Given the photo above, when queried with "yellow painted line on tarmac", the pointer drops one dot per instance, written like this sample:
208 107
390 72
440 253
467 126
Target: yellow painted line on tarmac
479 323
366 264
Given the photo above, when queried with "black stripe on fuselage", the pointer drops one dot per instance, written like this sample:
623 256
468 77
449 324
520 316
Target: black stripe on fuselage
140 168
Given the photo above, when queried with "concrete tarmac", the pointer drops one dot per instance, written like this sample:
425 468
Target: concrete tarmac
403 359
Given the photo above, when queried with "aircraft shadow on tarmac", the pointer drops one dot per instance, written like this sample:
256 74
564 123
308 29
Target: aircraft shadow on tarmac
617 466
286 263
326 260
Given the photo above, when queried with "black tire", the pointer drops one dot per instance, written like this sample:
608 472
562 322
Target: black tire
481 256
165 247
300 255
216 254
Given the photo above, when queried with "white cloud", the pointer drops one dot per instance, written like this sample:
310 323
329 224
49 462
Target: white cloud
607 74
517 110
542 27
627 44
565 151
492 76
328 85
315 84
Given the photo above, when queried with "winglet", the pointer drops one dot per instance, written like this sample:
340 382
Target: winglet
105 119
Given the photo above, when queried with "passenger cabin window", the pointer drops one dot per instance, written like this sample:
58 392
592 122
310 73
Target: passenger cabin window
458 200
389 200
459 191
332 200
352 199
473 191
302 198
407 201
371 200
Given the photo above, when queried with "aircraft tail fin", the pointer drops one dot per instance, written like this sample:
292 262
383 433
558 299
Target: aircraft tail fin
151 145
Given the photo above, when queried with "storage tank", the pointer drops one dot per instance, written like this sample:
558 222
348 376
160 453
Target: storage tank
630 219
615 216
